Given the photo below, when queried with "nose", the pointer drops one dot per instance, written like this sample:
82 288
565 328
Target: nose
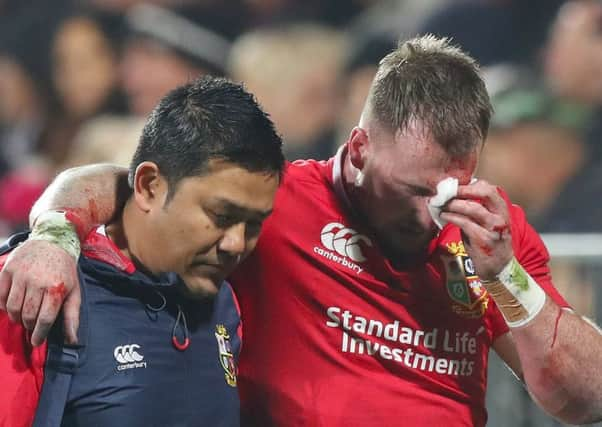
233 241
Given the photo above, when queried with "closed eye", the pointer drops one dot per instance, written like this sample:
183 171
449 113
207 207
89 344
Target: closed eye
222 221
419 191
253 227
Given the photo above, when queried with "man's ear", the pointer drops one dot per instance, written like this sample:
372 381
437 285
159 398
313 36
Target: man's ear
358 147
150 187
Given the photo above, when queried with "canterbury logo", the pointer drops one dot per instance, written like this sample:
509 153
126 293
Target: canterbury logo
127 353
344 241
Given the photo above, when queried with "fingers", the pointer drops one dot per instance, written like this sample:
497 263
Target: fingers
490 249
472 209
31 307
473 230
49 311
35 281
478 213
71 316
484 192
5 281
14 302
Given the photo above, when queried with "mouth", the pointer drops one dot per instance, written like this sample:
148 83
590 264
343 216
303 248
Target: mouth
207 268
404 236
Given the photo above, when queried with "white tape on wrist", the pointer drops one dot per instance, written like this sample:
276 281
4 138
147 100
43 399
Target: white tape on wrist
525 299
54 227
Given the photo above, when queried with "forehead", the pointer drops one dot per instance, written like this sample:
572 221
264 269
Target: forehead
413 157
231 183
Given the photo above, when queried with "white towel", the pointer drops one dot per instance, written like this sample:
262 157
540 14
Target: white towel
447 189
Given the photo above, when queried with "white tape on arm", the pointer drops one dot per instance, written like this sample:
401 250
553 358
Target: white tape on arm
517 294
54 227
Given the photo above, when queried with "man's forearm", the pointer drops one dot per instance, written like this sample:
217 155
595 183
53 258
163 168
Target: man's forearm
560 356
94 194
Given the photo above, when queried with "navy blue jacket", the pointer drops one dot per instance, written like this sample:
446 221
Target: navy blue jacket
127 371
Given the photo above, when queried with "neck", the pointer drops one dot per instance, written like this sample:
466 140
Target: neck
122 230
349 175
355 193
127 233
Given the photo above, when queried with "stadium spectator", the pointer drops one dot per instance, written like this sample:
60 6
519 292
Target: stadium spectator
481 27
573 66
85 81
25 104
536 142
365 51
163 49
303 61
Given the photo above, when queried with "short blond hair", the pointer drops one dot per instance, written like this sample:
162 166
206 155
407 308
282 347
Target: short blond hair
430 80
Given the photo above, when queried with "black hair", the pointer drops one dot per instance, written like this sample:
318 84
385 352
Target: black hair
208 119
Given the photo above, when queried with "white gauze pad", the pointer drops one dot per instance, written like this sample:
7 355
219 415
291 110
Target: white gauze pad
447 189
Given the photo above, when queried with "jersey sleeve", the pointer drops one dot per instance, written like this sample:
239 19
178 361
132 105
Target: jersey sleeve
532 254
21 372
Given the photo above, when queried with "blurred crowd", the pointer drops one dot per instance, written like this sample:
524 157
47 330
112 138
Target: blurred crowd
77 79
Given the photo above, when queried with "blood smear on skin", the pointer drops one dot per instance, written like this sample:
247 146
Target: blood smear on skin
486 249
500 229
57 294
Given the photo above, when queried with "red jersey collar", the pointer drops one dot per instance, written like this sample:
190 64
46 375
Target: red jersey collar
335 165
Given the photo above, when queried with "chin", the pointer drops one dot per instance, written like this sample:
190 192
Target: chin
412 243
198 287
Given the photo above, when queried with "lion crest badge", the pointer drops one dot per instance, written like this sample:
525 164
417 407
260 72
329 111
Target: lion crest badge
226 358
469 298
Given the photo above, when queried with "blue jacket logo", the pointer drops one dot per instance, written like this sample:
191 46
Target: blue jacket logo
226 358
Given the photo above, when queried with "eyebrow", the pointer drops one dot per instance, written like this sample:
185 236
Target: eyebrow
241 211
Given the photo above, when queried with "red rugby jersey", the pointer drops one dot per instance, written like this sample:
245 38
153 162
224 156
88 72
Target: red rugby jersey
21 372
335 336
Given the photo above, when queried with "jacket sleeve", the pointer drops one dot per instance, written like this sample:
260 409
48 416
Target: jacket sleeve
21 373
